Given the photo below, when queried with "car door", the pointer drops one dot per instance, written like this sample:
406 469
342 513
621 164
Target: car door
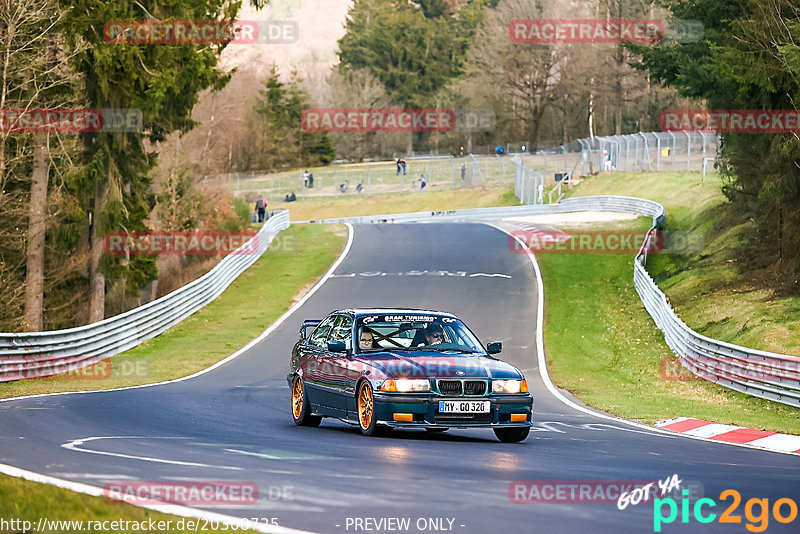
342 330
312 354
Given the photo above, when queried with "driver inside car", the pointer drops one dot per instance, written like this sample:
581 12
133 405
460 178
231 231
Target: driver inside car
366 340
434 334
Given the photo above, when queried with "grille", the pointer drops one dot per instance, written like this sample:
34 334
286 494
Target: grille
474 387
450 387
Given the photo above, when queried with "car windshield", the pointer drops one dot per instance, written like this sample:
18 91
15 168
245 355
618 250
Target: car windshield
414 332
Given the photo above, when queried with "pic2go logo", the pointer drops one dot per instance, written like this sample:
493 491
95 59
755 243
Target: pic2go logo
758 521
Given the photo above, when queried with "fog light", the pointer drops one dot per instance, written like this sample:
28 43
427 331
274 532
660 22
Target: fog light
404 417
519 417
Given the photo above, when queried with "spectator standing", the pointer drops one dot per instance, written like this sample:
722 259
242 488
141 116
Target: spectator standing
261 208
403 165
422 183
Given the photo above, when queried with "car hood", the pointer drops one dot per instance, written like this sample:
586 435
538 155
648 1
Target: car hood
443 364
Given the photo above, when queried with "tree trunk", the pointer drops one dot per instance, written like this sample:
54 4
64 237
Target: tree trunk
97 280
34 274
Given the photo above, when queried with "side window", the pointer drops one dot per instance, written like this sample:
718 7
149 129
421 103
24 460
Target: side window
320 335
342 329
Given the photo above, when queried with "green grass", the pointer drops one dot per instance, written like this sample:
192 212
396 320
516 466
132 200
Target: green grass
603 346
28 501
353 206
297 259
707 288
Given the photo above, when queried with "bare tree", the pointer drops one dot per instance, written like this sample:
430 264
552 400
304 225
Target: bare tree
523 76
360 89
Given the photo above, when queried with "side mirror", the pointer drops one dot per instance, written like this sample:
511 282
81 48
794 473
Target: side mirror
337 346
494 347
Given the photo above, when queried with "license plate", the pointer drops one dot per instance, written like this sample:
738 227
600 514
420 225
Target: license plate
463 406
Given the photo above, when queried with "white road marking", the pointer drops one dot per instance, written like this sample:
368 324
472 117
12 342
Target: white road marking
90 475
269 457
75 445
456 274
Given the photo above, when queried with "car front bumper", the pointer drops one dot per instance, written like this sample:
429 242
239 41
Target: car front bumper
425 411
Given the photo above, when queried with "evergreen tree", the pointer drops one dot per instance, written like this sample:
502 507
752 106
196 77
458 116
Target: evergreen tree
163 82
748 59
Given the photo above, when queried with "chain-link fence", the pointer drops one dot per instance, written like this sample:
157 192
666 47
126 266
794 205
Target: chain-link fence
537 177
640 152
646 151
440 173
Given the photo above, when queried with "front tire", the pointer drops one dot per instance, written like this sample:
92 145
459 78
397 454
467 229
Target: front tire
367 419
512 435
301 409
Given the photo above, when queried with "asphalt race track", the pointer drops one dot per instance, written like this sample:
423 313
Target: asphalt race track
233 423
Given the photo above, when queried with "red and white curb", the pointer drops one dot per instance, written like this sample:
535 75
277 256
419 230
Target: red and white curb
733 434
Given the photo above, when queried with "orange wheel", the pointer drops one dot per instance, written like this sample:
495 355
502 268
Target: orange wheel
301 411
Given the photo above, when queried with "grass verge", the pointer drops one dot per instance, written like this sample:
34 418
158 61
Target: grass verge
602 344
708 289
295 261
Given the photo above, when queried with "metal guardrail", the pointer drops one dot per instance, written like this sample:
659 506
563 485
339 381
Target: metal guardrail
763 374
759 373
37 354
597 203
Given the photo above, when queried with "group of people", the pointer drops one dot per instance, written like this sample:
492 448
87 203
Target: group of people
401 165
308 180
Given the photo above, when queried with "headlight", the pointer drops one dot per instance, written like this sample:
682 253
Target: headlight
509 386
405 385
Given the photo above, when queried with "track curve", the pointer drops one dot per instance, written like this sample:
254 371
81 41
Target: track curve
233 423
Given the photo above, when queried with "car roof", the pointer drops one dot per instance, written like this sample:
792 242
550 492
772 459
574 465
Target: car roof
359 312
